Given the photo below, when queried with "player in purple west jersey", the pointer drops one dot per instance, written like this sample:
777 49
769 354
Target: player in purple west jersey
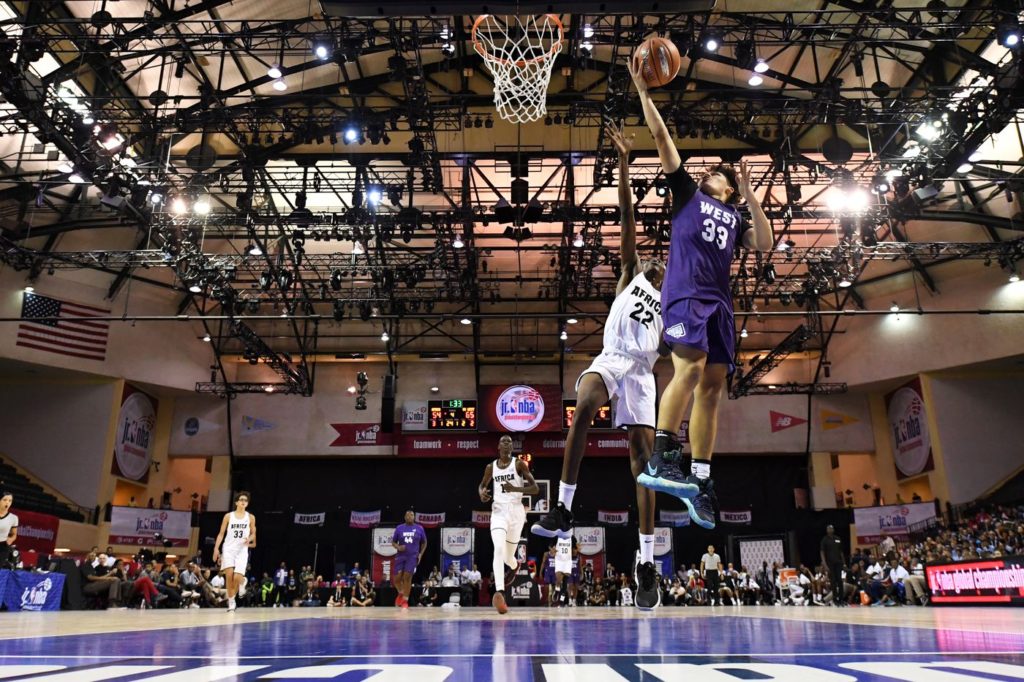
696 306
411 542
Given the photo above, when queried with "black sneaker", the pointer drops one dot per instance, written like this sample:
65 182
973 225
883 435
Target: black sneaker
510 575
703 507
662 474
557 523
648 595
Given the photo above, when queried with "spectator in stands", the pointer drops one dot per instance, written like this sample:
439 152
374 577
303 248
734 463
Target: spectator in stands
355 572
428 594
212 595
267 590
747 589
610 573
886 545
625 591
435 575
728 589
677 593
280 584
915 584
107 587
310 597
362 592
471 580
339 596
598 596
191 591
8 527
291 590
452 578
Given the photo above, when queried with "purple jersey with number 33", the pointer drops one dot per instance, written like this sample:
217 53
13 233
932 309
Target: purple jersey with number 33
704 234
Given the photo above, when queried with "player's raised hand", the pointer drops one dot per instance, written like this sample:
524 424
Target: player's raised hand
485 495
743 179
623 143
636 73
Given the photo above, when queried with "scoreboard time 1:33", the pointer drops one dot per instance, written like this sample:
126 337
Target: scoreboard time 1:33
451 415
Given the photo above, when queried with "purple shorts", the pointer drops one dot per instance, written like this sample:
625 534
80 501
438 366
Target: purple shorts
549 575
704 325
404 563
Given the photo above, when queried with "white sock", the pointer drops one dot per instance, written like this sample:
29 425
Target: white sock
498 565
565 493
646 548
510 553
701 468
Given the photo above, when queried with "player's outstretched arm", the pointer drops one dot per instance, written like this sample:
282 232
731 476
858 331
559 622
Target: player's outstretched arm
220 537
627 238
485 494
667 151
761 237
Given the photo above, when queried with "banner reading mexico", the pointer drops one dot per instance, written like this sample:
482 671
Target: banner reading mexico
456 548
134 526
908 430
133 443
519 407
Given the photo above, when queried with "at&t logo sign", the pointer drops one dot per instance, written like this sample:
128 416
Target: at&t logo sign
520 408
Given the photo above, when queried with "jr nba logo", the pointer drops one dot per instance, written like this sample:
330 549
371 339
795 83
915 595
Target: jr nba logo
520 408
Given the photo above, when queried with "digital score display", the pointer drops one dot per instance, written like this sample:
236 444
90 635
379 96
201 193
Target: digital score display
451 415
602 420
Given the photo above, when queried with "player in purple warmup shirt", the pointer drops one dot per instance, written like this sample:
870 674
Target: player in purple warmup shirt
696 306
411 542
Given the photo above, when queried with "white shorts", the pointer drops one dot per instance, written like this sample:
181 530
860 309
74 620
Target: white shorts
509 519
563 567
630 385
236 558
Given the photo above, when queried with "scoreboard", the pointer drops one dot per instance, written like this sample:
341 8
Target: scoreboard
602 420
451 415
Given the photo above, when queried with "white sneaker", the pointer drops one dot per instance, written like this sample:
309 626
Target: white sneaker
241 587
231 604
193 605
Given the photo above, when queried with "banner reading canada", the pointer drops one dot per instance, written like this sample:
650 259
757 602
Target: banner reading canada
134 526
894 519
908 430
993 581
430 520
37 532
519 407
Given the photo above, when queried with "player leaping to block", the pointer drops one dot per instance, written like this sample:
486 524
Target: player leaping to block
623 372
697 307
511 479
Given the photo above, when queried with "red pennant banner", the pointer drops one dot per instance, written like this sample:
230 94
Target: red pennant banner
781 422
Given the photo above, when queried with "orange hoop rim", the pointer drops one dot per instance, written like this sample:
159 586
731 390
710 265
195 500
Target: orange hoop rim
555 46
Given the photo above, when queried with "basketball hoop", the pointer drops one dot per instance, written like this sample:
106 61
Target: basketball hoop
520 54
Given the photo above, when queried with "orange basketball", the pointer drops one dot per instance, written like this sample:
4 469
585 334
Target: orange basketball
658 59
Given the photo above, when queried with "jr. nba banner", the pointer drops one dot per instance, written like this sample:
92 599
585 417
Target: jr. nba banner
590 541
481 519
456 548
430 520
382 554
674 518
663 550
364 519
613 518
26 591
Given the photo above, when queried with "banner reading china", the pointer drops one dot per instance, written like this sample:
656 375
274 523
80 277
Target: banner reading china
519 407
613 518
367 519
481 519
430 520
37 532
908 430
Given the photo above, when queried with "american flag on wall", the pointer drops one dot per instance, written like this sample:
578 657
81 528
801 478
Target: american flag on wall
70 329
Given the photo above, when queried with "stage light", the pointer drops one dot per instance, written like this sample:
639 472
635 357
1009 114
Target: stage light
964 168
761 66
1014 278
466 321
357 249
564 336
253 250
384 337
275 71
178 206
587 47
578 240
928 131
195 288
448 50
844 282
156 198
911 152
743 333
78 178
588 31
65 167
351 134
207 338
1008 33
457 243
572 320
322 49
975 157
374 195
29 288
269 389
280 85
894 308
202 206
712 43
755 80
88 119
435 389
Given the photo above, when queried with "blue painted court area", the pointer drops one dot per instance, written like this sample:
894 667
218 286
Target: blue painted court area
668 649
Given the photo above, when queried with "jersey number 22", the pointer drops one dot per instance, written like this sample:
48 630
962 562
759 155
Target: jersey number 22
640 310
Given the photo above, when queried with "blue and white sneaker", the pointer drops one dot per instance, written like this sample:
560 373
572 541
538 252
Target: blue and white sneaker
703 506
662 474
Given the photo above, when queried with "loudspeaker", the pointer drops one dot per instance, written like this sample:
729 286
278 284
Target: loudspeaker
387 404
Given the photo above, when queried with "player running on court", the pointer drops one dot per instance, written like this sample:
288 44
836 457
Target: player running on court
238 533
623 373
411 542
696 303
511 479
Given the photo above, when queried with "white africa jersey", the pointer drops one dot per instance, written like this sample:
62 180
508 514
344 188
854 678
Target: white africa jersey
634 323
238 532
563 555
506 475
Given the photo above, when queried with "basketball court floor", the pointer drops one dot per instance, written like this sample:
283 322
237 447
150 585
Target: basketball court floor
721 644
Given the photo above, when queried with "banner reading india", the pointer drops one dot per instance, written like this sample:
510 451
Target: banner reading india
613 518
481 519
430 520
364 519
836 420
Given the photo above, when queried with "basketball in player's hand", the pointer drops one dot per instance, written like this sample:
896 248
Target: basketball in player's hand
657 59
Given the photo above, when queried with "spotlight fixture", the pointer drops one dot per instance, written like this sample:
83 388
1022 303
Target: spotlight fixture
280 85
712 43
894 308
29 288
564 336
964 168
362 379
351 133
384 337
322 49
755 80
761 66
275 71
578 240
845 282
253 250
78 178
269 389
435 389
1008 33
588 31
975 157
207 338
374 195
466 321
195 288
202 206
571 320
361 402
358 249
457 243
743 333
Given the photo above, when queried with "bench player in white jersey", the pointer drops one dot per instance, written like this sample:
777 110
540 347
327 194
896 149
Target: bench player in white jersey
238 533
623 373
566 570
511 479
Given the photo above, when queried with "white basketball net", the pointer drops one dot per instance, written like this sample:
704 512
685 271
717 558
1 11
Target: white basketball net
519 53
